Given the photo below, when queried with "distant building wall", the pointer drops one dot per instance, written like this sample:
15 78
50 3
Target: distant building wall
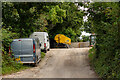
79 44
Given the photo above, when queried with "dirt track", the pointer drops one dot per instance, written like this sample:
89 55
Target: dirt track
60 63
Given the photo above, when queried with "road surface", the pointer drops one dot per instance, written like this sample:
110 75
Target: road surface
60 63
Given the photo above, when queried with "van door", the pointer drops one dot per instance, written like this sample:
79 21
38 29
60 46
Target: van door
16 48
27 47
27 50
41 39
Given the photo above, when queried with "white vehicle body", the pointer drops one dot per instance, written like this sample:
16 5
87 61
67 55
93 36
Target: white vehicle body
43 39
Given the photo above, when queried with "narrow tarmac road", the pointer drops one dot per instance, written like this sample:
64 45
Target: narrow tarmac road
60 63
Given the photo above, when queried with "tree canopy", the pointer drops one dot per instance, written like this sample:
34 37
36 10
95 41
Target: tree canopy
104 21
24 18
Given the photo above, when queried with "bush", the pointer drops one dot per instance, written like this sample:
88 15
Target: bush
105 65
42 54
92 53
105 24
9 65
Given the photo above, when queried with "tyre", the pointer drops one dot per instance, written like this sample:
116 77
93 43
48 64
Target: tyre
49 49
36 62
45 51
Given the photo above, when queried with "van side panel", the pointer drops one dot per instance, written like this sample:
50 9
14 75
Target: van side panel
38 51
41 39
48 42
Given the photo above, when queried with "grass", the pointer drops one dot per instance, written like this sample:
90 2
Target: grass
10 66
8 69
42 54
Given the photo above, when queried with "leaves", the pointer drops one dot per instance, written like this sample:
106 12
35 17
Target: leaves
56 15
103 21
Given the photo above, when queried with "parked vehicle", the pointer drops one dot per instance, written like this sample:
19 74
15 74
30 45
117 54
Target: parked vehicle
26 50
43 39
92 40
62 41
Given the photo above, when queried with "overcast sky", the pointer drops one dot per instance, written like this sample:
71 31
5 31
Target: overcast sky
84 33
85 18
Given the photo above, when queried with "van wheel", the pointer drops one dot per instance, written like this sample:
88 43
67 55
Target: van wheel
35 65
49 49
45 51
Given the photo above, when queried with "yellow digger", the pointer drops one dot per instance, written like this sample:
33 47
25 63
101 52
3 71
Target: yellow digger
62 41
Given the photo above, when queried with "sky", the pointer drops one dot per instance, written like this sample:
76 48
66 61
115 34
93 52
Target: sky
84 33
85 18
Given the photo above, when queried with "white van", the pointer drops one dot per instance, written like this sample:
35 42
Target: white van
43 39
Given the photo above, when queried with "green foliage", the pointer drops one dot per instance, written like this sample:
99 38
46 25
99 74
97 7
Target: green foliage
6 38
92 54
9 65
72 23
79 40
42 54
85 38
56 14
41 23
70 33
106 66
104 22
24 18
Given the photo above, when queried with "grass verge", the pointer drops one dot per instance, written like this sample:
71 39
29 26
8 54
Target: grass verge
13 68
42 54
10 66
105 65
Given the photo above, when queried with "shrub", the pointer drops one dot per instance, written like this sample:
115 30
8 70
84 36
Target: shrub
42 54
9 65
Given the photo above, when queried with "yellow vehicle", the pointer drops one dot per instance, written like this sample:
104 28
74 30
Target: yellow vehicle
62 40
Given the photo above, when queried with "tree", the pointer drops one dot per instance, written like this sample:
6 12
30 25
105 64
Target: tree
104 22
72 23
